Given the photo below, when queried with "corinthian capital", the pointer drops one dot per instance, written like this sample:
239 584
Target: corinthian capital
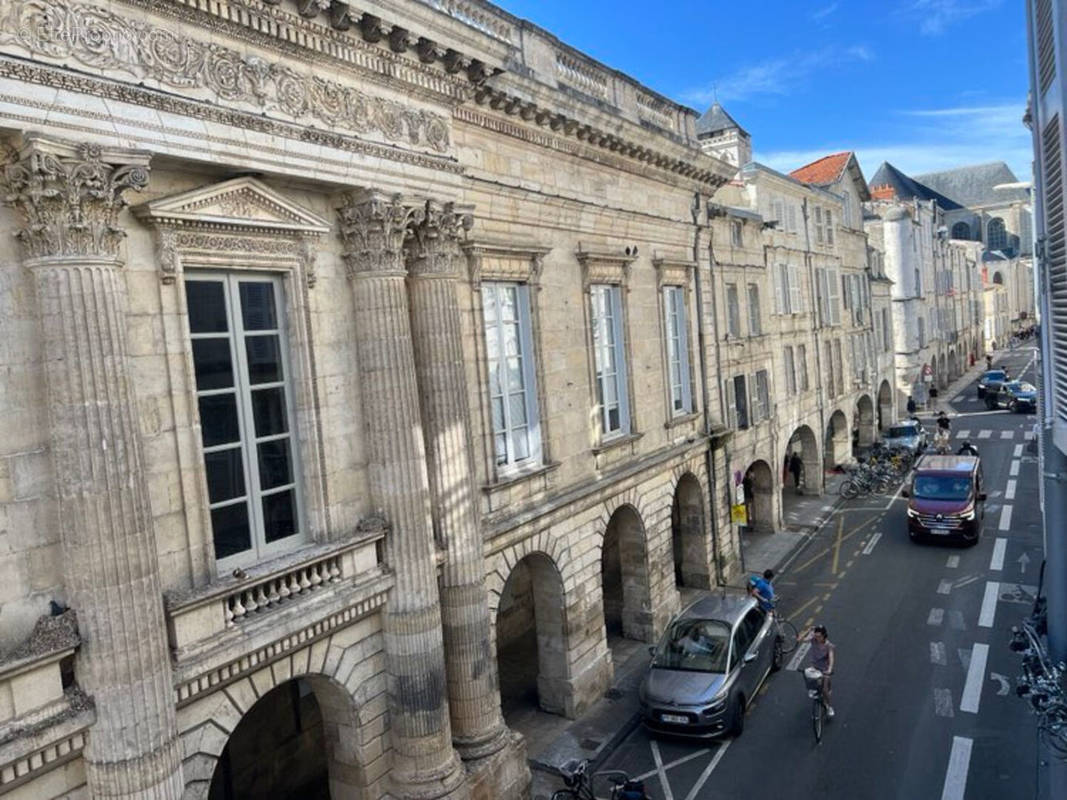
433 248
69 196
373 227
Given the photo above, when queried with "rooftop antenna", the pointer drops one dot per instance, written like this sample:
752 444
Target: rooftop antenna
715 91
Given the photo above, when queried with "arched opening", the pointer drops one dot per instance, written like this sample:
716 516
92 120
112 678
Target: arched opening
961 230
531 646
691 557
996 235
998 278
953 365
758 487
299 740
865 422
803 469
624 574
885 406
836 444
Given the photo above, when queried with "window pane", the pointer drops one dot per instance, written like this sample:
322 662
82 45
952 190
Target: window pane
211 361
274 464
264 359
257 306
225 475
206 302
500 447
514 374
218 419
517 407
511 339
268 410
279 516
520 441
498 413
229 527
613 419
507 304
489 303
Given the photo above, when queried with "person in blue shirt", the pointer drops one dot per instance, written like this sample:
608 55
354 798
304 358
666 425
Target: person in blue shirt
762 590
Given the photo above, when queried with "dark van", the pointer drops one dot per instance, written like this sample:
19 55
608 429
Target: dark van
946 499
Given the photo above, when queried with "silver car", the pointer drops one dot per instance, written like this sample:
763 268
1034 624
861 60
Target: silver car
908 433
708 666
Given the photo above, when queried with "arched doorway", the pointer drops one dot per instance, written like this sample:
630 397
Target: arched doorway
953 365
865 421
297 741
758 486
531 638
805 445
836 444
885 406
690 544
624 577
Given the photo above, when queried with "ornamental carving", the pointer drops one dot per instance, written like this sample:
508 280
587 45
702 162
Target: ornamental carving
70 196
433 247
98 38
373 228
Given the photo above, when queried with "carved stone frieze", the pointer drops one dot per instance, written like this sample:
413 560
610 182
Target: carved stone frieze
70 195
433 247
504 261
605 267
373 228
673 271
98 38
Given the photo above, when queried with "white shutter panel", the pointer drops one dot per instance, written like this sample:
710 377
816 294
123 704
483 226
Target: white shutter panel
796 297
834 299
779 292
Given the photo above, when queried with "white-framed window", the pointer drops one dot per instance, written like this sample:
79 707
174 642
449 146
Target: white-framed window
736 232
818 224
796 296
833 298
754 325
839 367
791 212
609 358
781 289
790 371
829 226
802 366
244 395
761 401
828 357
779 213
737 401
674 314
733 311
513 405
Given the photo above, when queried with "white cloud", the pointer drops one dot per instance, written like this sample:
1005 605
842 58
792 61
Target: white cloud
824 12
775 76
935 16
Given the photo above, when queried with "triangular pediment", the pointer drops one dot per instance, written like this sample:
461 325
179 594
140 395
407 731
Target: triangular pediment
237 204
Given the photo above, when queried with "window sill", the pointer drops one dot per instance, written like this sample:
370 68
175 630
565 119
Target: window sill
511 478
681 419
618 441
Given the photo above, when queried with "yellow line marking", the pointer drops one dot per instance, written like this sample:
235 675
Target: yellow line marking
821 553
837 547
796 612
826 596
842 573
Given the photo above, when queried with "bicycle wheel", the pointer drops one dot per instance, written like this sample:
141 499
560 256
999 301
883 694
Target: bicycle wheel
849 489
788 632
817 712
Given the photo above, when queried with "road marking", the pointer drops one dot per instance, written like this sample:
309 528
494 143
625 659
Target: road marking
959 398
667 793
972 689
937 653
966 581
989 605
678 761
1005 518
707 771
953 562
1007 434
944 587
959 761
798 656
963 434
870 545
985 434
955 621
1009 491
943 703
1013 470
797 611
936 616
837 546
1018 452
997 561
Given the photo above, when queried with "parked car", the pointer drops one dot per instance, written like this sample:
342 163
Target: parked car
946 499
990 381
1018 396
708 666
910 434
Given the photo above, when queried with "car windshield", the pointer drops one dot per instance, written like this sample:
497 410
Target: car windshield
900 431
995 375
698 645
1022 386
942 487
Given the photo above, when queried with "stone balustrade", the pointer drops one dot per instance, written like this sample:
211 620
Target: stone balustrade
658 112
581 76
267 594
483 17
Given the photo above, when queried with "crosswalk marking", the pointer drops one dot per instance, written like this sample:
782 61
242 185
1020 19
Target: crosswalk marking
1013 470
972 688
1018 452
963 434
1009 491
984 434
1007 434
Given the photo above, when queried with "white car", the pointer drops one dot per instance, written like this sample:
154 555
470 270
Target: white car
908 433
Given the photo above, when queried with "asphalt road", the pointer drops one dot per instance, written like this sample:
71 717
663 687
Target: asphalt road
923 688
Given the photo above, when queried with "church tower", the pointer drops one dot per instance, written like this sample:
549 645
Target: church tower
720 136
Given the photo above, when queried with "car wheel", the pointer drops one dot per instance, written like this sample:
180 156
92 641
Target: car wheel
981 394
776 655
990 403
1013 407
736 725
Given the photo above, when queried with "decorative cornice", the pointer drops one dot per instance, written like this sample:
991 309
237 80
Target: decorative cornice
70 196
605 267
433 247
373 228
673 271
504 261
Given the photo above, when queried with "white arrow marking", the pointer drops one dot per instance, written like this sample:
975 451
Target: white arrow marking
1002 680
1024 561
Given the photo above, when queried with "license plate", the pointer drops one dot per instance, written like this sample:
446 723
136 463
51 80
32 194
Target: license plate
677 719
941 531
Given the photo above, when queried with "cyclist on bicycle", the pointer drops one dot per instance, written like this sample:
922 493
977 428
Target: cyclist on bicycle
762 590
822 656
967 449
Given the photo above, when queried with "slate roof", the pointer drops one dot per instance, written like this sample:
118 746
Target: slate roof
824 171
716 119
973 185
905 188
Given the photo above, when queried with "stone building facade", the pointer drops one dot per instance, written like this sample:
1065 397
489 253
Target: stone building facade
335 336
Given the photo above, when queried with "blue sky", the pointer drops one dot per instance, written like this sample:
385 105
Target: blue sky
924 84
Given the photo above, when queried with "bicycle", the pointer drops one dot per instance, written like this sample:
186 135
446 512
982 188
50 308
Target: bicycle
579 783
785 632
813 679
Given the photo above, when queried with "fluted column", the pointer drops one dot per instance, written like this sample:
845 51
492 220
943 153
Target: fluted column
434 259
69 197
373 226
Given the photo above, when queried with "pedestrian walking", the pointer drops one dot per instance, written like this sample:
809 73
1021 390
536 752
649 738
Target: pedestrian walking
911 405
796 466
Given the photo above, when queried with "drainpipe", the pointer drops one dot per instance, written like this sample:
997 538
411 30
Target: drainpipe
709 453
815 317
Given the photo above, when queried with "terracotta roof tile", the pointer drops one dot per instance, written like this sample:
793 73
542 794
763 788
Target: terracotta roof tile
824 171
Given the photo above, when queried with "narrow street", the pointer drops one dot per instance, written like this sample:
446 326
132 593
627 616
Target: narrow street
923 686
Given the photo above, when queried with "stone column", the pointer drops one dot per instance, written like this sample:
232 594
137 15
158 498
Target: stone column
70 197
434 261
373 227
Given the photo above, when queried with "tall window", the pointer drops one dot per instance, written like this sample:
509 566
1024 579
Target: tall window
887 337
761 403
818 225
829 227
796 296
790 371
610 360
839 368
828 358
996 235
922 333
674 313
733 311
740 402
243 391
961 230
736 230
802 366
512 384
754 327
